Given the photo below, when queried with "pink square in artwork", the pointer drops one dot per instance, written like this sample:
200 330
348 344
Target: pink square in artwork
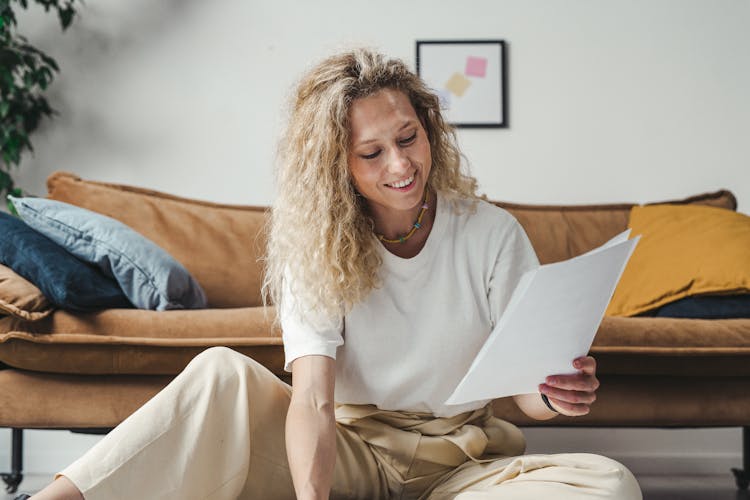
476 66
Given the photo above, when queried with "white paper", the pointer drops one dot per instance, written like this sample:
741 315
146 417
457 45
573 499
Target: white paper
551 319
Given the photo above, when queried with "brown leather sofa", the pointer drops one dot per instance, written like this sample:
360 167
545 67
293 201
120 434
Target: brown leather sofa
88 372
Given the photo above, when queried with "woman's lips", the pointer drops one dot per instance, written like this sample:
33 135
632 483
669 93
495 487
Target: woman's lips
408 187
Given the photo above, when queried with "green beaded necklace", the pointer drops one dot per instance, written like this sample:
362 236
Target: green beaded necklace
417 223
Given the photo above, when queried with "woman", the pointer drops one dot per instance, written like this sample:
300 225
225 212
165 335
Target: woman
389 273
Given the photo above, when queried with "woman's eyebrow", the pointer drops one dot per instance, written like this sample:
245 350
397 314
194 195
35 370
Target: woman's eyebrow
406 124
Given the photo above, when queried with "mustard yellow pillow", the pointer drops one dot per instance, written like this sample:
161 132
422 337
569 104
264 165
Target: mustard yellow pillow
684 250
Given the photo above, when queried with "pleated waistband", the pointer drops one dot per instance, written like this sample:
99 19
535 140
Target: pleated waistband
416 445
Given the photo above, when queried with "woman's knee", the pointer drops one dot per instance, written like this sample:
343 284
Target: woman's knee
217 362
219 355
627 488
623 484
222 363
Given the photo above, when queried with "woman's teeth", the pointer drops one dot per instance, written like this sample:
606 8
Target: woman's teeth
403 183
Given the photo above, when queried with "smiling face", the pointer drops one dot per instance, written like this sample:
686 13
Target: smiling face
389 155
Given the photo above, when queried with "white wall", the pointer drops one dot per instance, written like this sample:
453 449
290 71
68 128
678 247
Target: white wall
621 100
609 100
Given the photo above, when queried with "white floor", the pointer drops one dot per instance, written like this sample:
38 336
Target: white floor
659 487
685 464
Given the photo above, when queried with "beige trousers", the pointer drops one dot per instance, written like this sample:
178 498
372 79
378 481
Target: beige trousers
217 432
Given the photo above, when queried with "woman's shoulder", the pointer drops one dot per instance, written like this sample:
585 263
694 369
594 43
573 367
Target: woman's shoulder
482 226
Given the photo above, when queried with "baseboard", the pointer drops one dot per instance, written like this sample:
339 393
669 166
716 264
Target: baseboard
46 452
677 464
676 453
40 462
672 452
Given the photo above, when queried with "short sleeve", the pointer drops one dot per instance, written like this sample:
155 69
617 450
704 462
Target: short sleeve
307 334
515 257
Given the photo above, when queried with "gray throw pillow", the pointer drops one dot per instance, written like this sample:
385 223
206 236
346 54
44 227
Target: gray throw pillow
147 274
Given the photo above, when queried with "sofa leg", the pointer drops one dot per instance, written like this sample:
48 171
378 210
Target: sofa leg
15 476
743 475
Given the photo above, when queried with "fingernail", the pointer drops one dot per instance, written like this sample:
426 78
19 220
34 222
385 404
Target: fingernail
551 381
577 364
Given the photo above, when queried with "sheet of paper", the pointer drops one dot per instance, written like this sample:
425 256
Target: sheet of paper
550 320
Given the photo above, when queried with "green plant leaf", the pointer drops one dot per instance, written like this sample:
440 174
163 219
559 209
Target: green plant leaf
6 182
25 73
11 208
49 61
66 17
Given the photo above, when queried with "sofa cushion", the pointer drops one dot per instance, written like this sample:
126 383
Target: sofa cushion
20 298
683 251
648 401
136 341
672 346
219 244
40 400
66 281
162 343
560 232
149 276
671 335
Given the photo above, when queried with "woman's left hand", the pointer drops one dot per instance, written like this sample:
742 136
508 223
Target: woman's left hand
573 395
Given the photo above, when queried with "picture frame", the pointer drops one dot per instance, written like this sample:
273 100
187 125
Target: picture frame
470 77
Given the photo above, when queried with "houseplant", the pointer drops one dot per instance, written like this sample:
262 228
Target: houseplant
25 74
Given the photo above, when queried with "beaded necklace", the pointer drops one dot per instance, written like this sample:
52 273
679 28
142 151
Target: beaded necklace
417 223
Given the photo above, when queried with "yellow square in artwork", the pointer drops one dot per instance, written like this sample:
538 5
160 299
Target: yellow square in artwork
458 84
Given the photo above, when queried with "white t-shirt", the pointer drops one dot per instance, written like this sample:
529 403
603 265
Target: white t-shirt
409 343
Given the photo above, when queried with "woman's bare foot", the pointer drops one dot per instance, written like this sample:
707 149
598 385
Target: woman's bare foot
60 489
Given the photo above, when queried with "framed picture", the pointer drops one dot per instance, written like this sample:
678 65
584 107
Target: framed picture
470 77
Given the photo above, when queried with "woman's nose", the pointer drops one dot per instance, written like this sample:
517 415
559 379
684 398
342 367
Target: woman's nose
398 161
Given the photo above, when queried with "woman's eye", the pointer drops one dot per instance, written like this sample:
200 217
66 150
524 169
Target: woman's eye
371 156
409 140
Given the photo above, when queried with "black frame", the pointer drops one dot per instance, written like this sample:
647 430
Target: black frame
503 123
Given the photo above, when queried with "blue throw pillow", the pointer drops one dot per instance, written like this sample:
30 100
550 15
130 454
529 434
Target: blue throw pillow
66 281
147 274
706 307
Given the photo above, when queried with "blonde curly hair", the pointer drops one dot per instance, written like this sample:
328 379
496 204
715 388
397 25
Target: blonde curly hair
321 247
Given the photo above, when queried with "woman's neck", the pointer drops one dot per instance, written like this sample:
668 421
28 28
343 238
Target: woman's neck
392 224
393 227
